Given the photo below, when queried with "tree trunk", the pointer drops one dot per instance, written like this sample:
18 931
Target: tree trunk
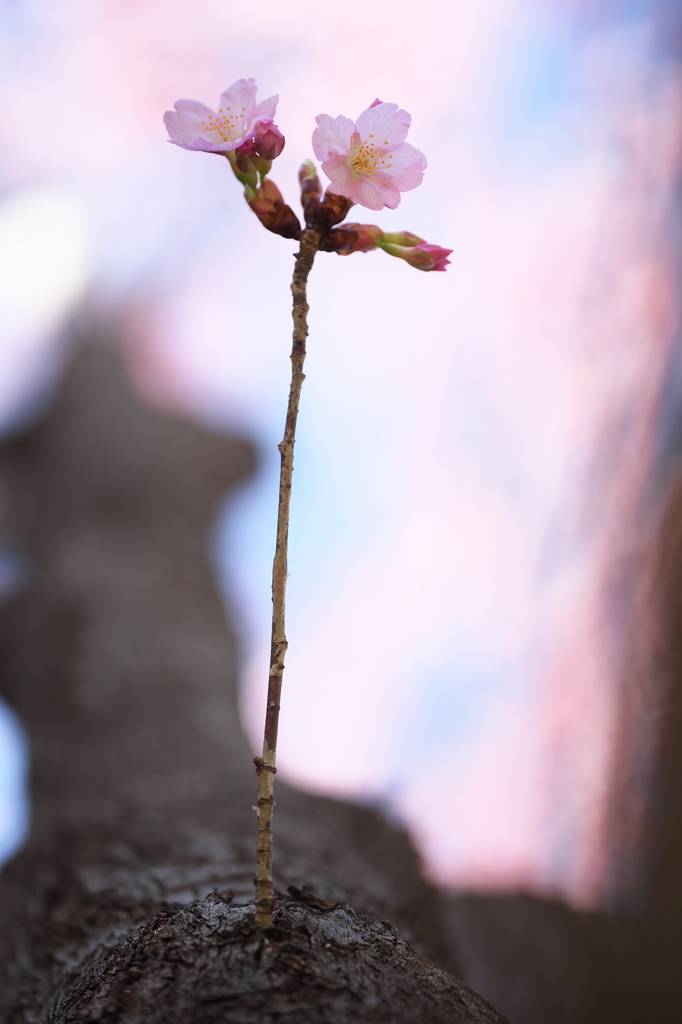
618 966
133 898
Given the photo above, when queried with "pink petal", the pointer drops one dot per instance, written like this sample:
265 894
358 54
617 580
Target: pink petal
367 192
407 167
332 135
265 111
184 123
386 123
185 127
240 95
342 181
375 196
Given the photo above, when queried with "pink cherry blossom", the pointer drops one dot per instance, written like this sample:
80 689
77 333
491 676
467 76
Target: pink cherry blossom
193 125
368 160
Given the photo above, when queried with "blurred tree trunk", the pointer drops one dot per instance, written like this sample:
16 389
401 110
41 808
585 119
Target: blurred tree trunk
130 901
622 966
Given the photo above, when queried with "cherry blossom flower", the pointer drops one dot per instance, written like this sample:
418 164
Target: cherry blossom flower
368 160
238 119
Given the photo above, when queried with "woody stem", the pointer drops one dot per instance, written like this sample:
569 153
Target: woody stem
265 765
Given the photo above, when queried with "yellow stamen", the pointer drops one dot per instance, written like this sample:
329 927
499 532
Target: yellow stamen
225 125
365 158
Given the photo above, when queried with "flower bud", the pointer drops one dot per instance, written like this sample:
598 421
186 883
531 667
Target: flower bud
272 211
268 140
337 240
429 257
311 190
332 209
245 163
422 256
360 238
405 238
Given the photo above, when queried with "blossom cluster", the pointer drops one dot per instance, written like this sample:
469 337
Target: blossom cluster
367 161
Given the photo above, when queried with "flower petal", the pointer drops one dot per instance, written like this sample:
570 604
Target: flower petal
407 166
375 195
187 127
342 181
265 111
184 124
211 146
363 190
240 97
332 135
386 123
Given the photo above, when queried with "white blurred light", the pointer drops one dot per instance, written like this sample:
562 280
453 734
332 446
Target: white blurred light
43 273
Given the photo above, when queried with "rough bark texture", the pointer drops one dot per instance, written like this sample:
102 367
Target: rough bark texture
210 962
133 899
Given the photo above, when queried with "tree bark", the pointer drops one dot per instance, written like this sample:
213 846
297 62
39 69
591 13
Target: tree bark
133 898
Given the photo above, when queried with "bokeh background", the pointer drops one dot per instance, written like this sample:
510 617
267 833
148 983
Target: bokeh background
482 453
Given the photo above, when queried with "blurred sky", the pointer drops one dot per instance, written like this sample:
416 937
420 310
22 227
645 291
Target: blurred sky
476 449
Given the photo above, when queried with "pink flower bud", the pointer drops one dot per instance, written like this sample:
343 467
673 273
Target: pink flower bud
422 256
429 257
268 140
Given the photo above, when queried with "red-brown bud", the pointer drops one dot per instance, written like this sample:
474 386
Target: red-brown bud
332 209
367 237
311 191
272 211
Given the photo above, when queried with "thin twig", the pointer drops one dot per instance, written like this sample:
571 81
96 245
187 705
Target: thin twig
265 765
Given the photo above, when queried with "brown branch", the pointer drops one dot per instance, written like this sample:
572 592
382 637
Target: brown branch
265 765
